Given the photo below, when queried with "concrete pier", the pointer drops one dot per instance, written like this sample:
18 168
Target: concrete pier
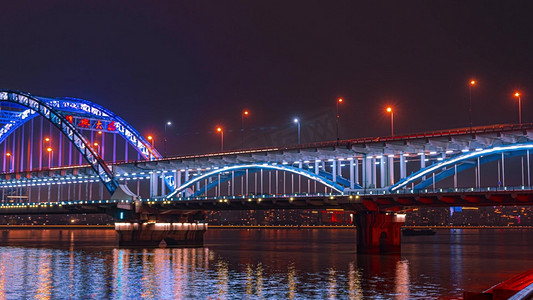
152 234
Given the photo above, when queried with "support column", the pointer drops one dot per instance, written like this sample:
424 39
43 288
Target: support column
334 170
339 168
403 166
423 163
378 232
153 184
316 167
374 182
391 170
352 183
163 184
382 174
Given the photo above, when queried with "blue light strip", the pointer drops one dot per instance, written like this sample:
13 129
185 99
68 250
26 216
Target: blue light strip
284 168
474 154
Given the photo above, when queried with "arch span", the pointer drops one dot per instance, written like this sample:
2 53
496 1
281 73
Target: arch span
58 120
283 168
485 156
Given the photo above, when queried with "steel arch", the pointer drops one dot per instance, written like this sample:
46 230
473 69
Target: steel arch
458 159
284 168
58 120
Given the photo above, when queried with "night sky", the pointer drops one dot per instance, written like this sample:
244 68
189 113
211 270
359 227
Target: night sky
200 63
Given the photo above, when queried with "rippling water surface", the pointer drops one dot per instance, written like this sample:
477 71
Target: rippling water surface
256 264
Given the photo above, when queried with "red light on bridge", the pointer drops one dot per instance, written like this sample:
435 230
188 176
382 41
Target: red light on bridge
517 94
340 100
389 109
219 129
46 139
49 149
246 113
8 154
473 82
150 137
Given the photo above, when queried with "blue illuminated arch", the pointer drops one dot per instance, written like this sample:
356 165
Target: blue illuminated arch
87 108
57 119
485 156
283 168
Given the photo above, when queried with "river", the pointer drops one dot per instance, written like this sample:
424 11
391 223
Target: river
258 264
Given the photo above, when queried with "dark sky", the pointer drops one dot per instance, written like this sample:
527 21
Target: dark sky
199 63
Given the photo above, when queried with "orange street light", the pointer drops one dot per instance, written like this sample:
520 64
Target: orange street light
219 129
50 156
12 161
46 139
245 113
99 132
470 85
389 110
340 100
518 95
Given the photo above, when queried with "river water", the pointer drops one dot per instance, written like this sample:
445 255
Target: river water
257 264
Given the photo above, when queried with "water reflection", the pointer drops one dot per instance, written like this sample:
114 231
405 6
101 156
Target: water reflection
291 264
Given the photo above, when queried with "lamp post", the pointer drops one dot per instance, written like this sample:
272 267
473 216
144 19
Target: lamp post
471 84
245 113
389 110
97 147
11 161
151 140
518 95
168 123
339 101
219 129
297 122
50 156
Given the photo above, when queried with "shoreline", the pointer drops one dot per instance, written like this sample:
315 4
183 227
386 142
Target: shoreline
349 227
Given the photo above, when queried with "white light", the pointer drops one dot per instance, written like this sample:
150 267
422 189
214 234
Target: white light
420 153
449 151
391 156
169 123
406 154
432 152
465 150
296 120
479 149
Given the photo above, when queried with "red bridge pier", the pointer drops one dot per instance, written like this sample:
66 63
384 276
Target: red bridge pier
378 232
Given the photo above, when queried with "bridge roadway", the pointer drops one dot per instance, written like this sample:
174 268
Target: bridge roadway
424 149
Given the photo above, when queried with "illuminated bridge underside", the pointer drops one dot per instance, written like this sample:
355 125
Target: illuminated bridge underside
382 203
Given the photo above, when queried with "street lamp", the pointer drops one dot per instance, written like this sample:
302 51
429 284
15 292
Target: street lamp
296 121
151 139
50 156
168 123
471 84
11 161
219 129
518 95
97 147
389 110
245 113
339 101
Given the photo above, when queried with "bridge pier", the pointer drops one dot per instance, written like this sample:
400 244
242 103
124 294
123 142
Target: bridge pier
153 234
378 232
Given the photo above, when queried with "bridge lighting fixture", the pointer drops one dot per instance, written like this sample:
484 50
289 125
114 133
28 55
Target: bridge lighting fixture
389 110
46 139
49 149
517 95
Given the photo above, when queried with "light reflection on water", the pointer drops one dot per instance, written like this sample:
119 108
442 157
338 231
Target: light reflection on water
256 264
